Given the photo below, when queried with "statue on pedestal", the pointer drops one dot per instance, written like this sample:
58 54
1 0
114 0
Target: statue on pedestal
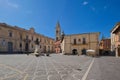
37 49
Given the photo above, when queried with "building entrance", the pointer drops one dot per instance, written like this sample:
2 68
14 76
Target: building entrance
10 47
74 51
84 51
26 47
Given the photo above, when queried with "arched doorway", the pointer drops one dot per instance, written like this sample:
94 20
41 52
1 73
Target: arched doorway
84 51
74 51
27 47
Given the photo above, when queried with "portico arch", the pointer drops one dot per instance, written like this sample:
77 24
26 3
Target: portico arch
74 51
83 51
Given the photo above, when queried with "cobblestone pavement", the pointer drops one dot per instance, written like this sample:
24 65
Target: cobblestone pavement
55 67
105 68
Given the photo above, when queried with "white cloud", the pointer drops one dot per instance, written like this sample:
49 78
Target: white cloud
85 3
14 5
11 4
8 4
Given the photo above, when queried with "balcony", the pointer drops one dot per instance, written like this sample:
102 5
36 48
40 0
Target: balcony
79 44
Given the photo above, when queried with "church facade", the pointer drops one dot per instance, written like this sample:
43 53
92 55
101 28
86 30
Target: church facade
14 39
58 38
77 43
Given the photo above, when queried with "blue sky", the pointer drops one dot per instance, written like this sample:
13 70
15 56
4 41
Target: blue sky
75 16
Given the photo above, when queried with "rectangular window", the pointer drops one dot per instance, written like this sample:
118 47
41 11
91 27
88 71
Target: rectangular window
74 41
84 41
79 40
10 34
3 43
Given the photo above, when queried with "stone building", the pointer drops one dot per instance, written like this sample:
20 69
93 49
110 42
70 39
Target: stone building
79 43
15 39
115 40
75 43
105 46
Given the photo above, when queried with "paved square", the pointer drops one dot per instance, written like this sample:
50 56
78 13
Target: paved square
55 67
58 67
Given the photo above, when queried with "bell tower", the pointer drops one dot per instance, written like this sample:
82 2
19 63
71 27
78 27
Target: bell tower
58 31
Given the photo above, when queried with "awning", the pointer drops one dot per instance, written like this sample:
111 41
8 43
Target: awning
90 50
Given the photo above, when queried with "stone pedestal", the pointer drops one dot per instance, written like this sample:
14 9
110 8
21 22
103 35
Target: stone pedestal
36 52
37 48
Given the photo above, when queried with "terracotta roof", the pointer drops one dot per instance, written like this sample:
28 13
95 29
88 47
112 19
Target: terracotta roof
115 27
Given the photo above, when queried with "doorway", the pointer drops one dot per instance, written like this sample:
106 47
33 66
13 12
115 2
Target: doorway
27 47
74 51
10 47
84 51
